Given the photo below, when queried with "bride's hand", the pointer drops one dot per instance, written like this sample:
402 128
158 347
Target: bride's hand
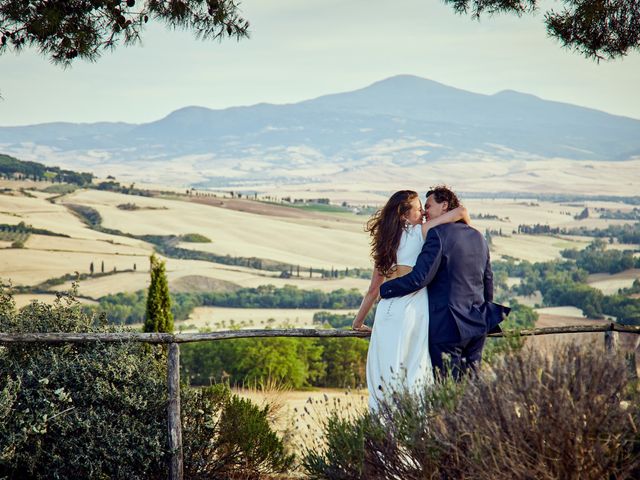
466 218
360 328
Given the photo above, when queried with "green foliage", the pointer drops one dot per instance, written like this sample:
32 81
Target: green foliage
17 237
226 436
128 308
345 362
289 296
599 31
36 171
88 215
291 361
564 283
633 214
64 31
194 238
597 259
295 362
128 206
321 207
158 317
340 320
625 309
122 308
341 456
78 410
98 410
61 188
20 232
626 233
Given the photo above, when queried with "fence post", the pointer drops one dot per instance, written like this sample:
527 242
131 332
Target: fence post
610 337
173 412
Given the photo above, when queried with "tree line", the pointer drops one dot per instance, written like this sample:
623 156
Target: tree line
129 308
11 167
597 259
564 282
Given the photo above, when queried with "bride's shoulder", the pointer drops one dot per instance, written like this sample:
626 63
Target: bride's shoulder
414 229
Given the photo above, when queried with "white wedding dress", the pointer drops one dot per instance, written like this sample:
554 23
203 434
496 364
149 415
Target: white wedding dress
398 354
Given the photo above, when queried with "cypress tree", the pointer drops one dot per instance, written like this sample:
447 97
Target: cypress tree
158 316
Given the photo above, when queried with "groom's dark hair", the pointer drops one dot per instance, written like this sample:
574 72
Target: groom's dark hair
441 193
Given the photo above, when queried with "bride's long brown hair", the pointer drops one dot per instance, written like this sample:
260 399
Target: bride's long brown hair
385 228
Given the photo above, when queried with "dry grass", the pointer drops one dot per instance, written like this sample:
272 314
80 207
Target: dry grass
320 243
301 413
609 284
218 318
30 267
241 228
563 316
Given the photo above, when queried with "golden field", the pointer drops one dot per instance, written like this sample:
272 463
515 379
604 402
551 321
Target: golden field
317 239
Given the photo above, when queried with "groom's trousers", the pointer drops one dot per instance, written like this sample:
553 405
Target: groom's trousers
457 358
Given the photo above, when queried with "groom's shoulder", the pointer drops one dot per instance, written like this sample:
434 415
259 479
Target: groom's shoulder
451 227
458 229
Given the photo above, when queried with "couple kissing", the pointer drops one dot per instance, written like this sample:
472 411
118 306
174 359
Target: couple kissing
433 272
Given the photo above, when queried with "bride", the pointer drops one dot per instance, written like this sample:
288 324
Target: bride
399 346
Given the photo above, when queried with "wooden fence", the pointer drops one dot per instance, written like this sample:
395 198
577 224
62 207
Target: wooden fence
173 362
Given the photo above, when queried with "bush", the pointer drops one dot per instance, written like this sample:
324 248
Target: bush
89 215
98 410
226 436
194 238
342 457
571 415
78 410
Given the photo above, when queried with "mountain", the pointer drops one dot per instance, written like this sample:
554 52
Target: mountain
402 121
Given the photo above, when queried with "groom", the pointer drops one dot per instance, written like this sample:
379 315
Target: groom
454 263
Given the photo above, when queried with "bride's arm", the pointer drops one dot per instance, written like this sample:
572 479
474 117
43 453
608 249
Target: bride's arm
459 213
368 301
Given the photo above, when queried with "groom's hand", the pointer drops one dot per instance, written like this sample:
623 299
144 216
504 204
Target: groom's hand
386 290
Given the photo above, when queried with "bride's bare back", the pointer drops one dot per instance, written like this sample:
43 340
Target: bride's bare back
400 271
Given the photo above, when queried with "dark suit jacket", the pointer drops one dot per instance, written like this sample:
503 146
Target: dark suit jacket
455 264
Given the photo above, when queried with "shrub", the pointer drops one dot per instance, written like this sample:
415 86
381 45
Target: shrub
194 238
78 410
571 415
342 457
226 436
98 410
89 215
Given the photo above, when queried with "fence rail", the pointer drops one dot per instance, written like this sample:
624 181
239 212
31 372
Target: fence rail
168 338
173 359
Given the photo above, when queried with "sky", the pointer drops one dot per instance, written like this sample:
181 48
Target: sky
301 49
